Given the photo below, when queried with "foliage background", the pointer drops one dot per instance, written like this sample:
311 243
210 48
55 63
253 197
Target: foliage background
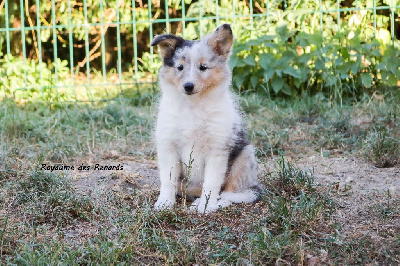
282 48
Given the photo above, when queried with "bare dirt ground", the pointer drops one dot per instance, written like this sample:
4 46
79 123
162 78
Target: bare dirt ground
136 174
366 196
363 193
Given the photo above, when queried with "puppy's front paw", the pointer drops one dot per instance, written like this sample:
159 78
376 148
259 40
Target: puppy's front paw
194 205
205 206
164 203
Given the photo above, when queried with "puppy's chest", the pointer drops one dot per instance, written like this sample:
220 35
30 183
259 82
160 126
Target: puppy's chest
201 129
197 129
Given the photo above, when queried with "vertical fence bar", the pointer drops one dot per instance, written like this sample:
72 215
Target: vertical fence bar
39 41
166 16
216 11
103 48
251 15
267 7
338 14
54 42
134 40
7 28
392 7
356 5
71 48
374 8
150 30
23 38
234 13
86 43
119 45
183 18
200 22
320 16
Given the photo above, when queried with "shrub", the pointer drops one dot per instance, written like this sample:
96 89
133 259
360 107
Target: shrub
289 63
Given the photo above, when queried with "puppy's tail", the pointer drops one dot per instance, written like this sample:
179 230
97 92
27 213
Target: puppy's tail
245 196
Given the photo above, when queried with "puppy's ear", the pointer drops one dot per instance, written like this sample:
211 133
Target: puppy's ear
221 40
167 44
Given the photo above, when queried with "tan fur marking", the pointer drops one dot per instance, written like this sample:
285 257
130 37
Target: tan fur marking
221 42
218 75
167 47
235 176
241 172
169 75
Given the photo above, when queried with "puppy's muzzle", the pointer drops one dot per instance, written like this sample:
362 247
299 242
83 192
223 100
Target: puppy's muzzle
188 87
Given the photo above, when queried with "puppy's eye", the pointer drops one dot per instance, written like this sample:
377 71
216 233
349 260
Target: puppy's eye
203 67
180 67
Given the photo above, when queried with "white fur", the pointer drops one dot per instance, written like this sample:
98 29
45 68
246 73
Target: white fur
201 127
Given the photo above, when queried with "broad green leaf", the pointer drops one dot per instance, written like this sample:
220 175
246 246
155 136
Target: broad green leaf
304 58
265 60
356 65
287 90
254 81
304 73
297 83
393 80
319 65
233 61
344 52
344 68
338 61
254 42
267 38
271 45
287 56
394 66
239 79
289 70
277 84
315 39
376 53
366 80
268 74
250 60
283 32
302 39
330 80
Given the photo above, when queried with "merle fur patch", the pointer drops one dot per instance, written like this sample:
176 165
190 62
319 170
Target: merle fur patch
240 143
169 45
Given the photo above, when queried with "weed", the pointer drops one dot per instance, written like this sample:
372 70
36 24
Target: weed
382 147
361 250
294 205
292 219
49 197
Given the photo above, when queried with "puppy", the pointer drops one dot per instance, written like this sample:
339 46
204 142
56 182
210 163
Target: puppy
202 149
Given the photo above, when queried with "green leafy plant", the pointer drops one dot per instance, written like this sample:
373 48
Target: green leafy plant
32 79
289 63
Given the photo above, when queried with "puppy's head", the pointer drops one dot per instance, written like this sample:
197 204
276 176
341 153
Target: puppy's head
195 67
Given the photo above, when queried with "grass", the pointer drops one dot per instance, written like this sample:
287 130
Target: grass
133 232
382 148
44 219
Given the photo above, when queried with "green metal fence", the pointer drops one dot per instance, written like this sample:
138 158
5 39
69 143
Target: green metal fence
72 49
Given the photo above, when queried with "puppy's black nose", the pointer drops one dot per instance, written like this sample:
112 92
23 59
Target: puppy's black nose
188 86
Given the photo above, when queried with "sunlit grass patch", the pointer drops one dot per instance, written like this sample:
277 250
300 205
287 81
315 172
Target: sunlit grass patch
382 147
42 211
48 198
